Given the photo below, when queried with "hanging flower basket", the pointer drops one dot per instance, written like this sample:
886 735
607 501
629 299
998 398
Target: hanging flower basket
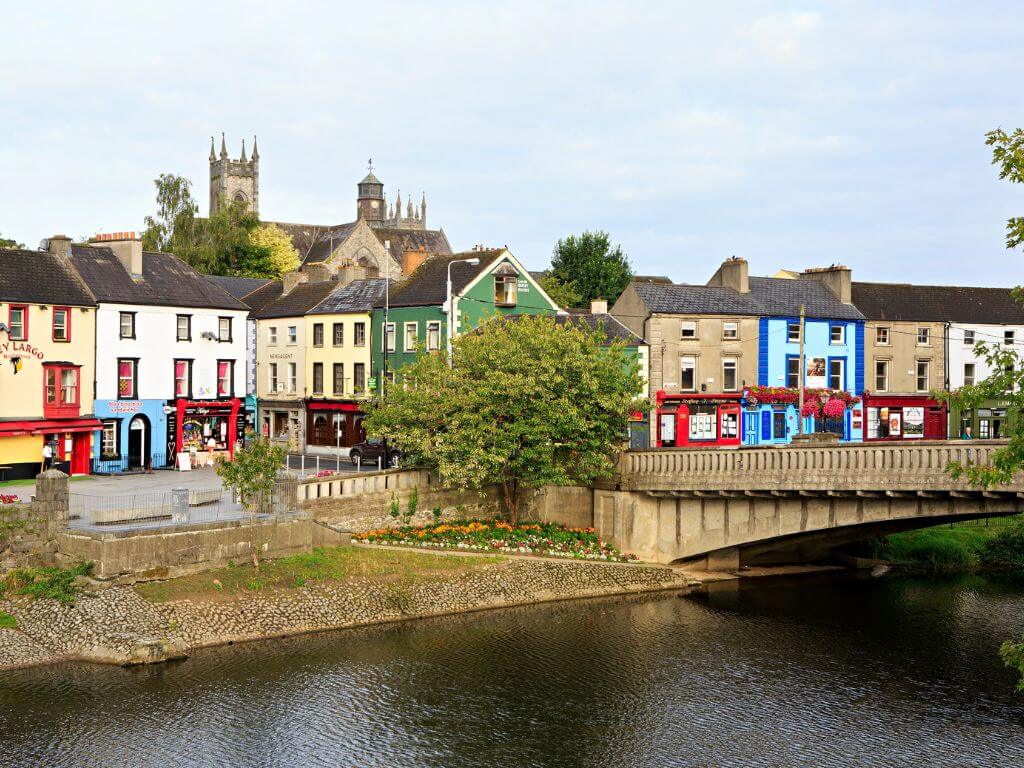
811 408
834 408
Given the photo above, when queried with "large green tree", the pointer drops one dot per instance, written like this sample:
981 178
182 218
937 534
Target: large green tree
524 404
594 267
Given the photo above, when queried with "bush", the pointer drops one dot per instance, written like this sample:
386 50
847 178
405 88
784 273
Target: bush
53 583
7 621
1005 549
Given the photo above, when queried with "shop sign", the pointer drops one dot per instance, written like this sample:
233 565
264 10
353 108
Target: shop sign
814 377
172 431
124 406
10 349
371 383
913 423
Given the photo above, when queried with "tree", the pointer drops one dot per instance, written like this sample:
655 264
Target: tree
282 254
1008 154
251 475
526 403
6 242
563 294
590 262
174 224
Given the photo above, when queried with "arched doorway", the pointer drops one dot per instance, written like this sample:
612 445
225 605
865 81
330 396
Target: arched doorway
139 435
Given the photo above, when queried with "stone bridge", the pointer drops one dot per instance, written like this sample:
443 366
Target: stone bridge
723 508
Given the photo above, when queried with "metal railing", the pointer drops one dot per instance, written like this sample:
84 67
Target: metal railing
312 465
156 510
114 465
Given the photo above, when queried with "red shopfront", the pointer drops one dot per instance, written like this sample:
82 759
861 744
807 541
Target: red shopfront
71 440
697 420
205 426
904 417
334 424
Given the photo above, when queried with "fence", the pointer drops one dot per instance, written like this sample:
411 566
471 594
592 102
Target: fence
180 506
332 486
312 465
120 464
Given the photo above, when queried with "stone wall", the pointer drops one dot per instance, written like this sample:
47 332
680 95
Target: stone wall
28 532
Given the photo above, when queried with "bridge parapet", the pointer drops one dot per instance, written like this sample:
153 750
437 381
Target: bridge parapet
863 467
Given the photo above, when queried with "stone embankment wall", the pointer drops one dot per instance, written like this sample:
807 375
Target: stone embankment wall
117 626
29 532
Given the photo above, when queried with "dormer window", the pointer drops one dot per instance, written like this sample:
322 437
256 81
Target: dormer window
506 281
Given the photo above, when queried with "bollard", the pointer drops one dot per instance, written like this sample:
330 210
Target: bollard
302 465
359 463
318 465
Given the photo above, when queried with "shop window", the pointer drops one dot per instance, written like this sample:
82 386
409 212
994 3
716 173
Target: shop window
109 439
126 325
359 334
969 374
273 382
293 335
338 331
778 425
882 336
318 378
293 377
923 375
835 374
688 329
505 290
61 324
224 329
127 379
412 333
730 425
729 374
793 332
881 375
389 337
1008 338
339 378
225 378
923 336
184 328
60 390
968 338
183 378
272 335
687 374
730 331
703 422
359 377
433 335
17 323
837 333
792 371
318 334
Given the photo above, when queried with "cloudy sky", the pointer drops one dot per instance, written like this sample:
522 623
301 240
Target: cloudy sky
792 135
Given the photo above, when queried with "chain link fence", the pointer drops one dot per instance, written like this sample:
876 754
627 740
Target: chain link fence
177 507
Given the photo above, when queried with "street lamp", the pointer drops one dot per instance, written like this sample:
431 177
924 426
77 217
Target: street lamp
451 320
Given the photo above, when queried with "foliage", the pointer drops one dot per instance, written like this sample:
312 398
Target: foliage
495 536
6 242
281 253
53 582
1012 655
791 395
174 224
7 621
525 404
252 472
1006 548
595 268
1008 154
954 548
10 520
563 293
412 504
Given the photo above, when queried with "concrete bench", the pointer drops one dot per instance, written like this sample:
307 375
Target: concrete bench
197 498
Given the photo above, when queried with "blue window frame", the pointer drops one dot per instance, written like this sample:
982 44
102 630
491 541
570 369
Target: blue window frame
766 425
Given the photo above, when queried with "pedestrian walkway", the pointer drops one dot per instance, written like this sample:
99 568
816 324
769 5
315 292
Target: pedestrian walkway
118 485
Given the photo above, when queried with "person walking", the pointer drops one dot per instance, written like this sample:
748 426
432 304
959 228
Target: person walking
47 456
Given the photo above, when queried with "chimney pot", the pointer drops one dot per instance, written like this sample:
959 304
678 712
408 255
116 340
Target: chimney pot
126 246
60 245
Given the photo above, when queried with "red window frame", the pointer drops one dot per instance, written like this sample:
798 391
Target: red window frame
58 407
67 325
134 361
24 321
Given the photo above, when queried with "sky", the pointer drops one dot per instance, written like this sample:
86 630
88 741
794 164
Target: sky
794 135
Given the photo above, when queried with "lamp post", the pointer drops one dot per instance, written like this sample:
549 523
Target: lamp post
451 315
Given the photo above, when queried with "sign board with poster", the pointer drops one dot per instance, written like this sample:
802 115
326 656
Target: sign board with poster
815 377
184 461
872 423
913 423
895 421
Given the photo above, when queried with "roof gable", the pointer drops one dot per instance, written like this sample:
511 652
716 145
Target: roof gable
41 277
427 285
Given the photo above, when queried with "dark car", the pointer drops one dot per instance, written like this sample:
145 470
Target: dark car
372 451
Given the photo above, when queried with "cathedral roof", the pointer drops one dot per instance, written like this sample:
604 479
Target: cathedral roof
401 240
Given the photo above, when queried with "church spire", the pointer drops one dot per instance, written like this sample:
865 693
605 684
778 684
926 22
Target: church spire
255 151
213 156
423 208
223 147
242 158
398 205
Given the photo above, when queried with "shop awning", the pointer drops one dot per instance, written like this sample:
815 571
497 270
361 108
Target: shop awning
41 427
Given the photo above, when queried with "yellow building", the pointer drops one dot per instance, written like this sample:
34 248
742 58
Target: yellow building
47 362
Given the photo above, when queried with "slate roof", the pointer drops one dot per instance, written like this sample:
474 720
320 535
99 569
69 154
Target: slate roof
166 281
239 287
40 277
401 240
937 303
325 241
768 297
357 296
297 302
613 329
427 286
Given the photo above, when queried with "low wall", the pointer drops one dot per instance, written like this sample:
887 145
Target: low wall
571 506
28 532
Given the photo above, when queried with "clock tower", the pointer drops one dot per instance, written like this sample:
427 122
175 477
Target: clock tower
370 203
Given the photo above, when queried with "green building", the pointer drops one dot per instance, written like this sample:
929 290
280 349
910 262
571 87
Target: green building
414 317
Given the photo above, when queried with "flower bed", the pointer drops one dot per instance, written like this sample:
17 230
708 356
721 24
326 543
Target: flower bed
497 536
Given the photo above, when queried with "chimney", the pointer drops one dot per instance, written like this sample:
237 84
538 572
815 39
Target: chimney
412 258
732 274
317 273
838 279
350 272
599 307
126 246
290 279
59 245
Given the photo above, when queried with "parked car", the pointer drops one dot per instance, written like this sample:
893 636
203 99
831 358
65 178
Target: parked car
372 450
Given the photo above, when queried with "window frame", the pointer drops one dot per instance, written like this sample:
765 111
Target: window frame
318 331
693 373
790 338
318 372
414 326
134 361
505 281
121 316
271 335
293 335
23 308
832 328
788 373
293 378
188 380
886 364
188 327
67 324
335 370
115 426
972 376
273 381
358 387
925 332
433 326
888 336
1009 337
686 325
735 327
359 334
927 375
59 401
972 342
389 339
337 334
841 361
230 363
231 329
735 374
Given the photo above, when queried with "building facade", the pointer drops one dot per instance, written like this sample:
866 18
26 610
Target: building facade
968 365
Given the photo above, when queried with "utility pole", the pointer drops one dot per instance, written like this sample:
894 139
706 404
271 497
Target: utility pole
800 378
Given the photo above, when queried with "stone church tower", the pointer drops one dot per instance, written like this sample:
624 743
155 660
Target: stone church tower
235 179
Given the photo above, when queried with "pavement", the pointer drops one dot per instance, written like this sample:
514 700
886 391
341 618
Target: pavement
118 485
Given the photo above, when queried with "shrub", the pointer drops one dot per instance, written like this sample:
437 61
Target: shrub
54 583
7 621
1006 548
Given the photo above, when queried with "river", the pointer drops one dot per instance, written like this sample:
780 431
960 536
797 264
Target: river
816 671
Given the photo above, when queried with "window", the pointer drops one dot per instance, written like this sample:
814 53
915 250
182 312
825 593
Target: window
688 329
835 374
359 377
339 378
729 374
293 377
881 375
225 378
108 442
968 374
223 329
1008 338
273 377
68 392
338 334
922 337
793 332
272 335
792 371
127 325
837 334
62 324
923 367
433 335
318 378
882 336
183 378
688 373
17 323
412 333
184 328
968 338
318 334
359 334
389 337
505 290
127 379
293 334
730 331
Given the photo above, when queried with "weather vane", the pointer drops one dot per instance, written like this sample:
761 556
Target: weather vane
369 165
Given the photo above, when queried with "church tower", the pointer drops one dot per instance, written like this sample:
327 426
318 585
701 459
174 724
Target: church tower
232 180
370 203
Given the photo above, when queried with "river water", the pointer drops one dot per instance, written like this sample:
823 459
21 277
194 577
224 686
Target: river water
820 671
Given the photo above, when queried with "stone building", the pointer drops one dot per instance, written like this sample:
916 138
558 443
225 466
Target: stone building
235 180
